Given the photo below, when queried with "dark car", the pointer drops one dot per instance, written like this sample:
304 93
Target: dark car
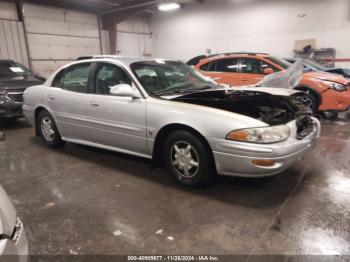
14 79
314 66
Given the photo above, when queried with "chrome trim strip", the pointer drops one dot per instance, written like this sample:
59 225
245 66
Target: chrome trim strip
83 142
62 117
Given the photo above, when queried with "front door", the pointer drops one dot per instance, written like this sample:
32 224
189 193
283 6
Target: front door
251 70
117 121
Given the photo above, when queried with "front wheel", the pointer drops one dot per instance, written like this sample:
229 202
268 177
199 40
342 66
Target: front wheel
48 131
307 100
330 115
188 159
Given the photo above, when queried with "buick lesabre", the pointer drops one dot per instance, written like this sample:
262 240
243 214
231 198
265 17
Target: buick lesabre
165 111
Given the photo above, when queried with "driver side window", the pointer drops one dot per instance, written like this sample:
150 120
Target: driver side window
253 66
107 76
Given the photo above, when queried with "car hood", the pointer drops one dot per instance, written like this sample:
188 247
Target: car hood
339 70
7 214
19 82
252 102
271 90
266 90
327 76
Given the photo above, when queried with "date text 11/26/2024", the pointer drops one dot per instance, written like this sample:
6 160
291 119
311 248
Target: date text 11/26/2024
173 258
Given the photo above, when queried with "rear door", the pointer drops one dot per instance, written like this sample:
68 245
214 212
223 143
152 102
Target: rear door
67 100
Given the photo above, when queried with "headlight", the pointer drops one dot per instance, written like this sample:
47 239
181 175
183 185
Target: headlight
2 92
335 86
261 135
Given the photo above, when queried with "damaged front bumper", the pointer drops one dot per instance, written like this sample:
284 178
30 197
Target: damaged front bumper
335 101
237 158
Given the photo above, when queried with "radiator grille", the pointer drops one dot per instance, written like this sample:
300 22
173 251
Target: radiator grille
16 97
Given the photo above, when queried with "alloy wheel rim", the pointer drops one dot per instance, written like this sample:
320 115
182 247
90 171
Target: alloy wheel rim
47 129
184 159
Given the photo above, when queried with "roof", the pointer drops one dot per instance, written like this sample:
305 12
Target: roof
238 53
124 60
234 54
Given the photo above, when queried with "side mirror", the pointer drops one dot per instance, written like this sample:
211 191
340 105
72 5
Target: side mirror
268 71
124 90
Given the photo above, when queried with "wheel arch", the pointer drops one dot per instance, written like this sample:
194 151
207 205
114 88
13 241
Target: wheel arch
314 92
162 134
36 115
37 111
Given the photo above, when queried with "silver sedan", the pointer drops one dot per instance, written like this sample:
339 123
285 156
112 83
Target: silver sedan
165 111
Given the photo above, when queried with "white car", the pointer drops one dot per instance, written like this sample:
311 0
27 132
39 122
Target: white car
164 110
13 240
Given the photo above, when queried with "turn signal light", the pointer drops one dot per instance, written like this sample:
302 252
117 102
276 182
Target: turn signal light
240 135
264 162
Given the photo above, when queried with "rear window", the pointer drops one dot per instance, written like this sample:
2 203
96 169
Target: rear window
13 69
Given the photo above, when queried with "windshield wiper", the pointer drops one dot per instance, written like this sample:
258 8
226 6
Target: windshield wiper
182 91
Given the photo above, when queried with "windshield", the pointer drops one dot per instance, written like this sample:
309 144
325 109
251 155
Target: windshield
278 61
167 77
314 65
12 69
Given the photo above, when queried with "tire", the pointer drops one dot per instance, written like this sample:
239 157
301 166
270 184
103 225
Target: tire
308 99
48 131
330 115
182 150
12 120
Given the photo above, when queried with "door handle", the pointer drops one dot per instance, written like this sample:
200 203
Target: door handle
51 98
94 103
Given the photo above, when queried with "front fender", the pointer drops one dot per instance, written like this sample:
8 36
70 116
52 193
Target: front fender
207 121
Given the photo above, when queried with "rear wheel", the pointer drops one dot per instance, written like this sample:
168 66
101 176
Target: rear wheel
187 159
48 131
